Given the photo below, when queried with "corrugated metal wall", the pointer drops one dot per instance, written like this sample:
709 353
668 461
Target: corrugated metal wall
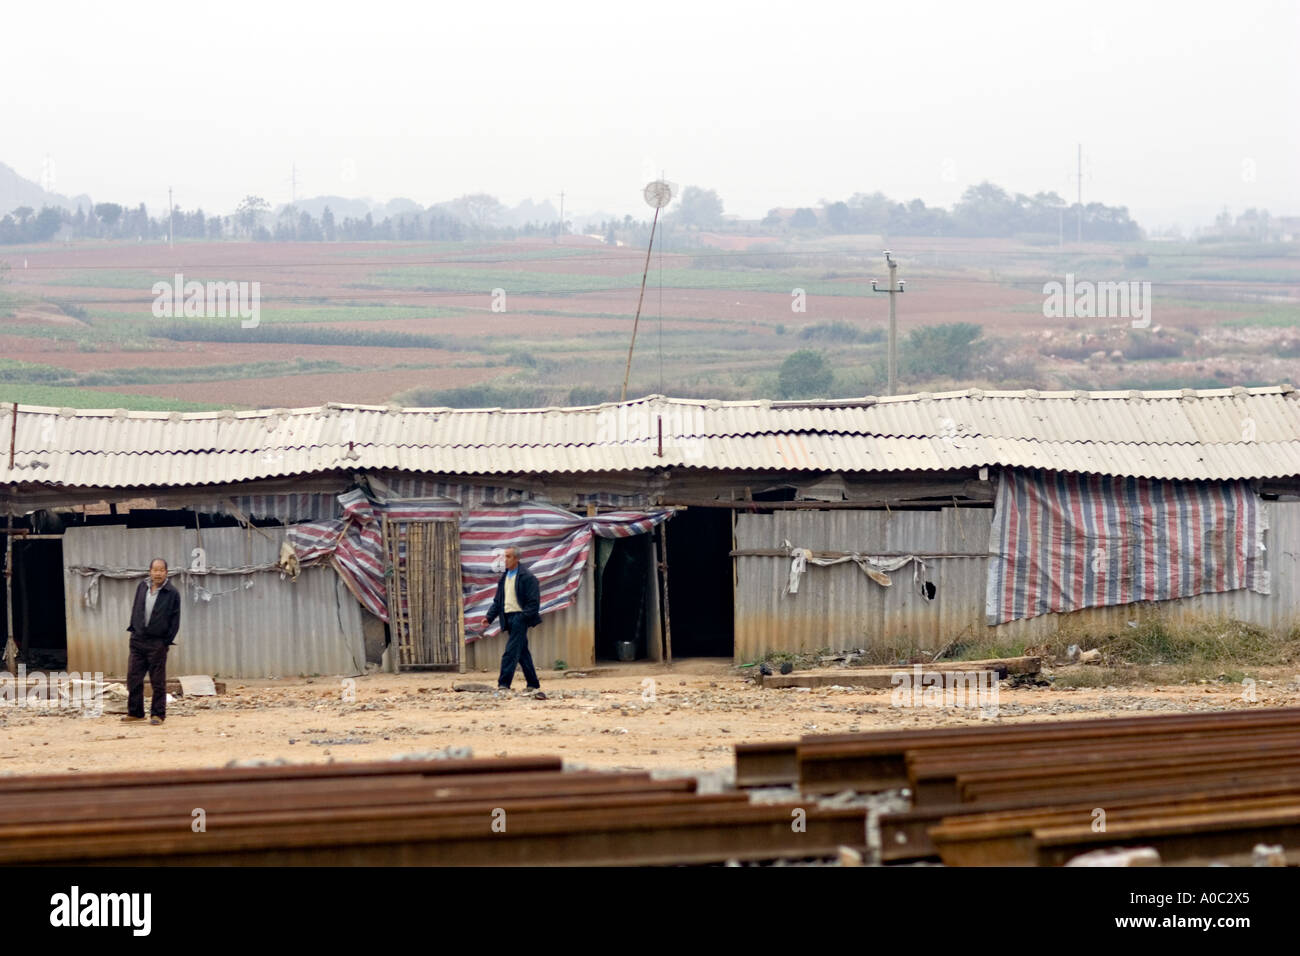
839 607
276 628
568 635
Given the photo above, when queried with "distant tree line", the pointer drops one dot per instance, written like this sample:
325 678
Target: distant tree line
1253 225
252 219
985 210
105 221
24 224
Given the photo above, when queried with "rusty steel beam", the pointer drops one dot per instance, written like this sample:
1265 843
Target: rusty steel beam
324 794
1192 825
1137 763
766 764
377 768
874 762
936 784
468 812
905 835
778 762
616 829
1184 839
1146 776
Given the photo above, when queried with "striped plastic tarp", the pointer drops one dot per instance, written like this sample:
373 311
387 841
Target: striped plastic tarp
553 544
1063 542
353 545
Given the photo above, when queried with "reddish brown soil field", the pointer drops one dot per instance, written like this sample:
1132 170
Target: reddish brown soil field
494 327
996 284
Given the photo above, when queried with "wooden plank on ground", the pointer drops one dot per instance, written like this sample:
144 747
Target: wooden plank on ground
886 677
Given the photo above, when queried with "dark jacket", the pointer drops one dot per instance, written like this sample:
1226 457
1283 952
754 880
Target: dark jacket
527 590
166 618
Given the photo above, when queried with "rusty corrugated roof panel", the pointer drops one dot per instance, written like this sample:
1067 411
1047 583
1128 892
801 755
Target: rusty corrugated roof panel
1216 434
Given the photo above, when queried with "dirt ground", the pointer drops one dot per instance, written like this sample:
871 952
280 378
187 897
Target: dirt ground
605 719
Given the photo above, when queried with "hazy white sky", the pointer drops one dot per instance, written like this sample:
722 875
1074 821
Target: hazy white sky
1182 107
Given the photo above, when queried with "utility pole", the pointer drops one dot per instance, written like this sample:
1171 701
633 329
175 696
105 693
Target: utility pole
171 218
293 184
1080 237
561 211
895 287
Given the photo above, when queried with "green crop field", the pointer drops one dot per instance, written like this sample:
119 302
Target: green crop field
54 396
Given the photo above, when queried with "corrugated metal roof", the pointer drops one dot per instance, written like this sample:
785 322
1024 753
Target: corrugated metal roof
1214 434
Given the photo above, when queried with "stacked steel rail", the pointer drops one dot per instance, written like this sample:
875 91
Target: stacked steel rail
1195 787
525 811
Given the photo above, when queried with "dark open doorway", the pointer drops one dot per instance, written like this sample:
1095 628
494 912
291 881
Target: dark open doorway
700 584
623 599
40 626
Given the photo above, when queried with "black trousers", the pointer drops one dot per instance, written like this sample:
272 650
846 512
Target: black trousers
148 656
516 653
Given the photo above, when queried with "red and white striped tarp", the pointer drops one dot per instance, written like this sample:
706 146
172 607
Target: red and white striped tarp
553 544
354 544
1062 542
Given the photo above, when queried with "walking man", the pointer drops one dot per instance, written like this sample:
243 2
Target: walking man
155 619
517 601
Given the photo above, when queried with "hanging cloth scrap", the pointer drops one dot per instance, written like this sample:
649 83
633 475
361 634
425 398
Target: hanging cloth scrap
874 567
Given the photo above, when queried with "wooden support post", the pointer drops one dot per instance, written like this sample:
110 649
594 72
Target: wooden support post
26 625
663 569
13 434
735 585
10 648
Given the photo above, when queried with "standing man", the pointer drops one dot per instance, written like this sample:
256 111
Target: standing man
155 619
517 603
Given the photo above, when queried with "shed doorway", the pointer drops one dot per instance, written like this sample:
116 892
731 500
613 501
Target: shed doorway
701 606
626 599
40 626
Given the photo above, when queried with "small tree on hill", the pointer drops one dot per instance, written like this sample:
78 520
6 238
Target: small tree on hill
804 374
699 207
935 351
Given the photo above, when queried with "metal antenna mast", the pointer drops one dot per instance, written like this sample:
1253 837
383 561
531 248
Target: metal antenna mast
657 194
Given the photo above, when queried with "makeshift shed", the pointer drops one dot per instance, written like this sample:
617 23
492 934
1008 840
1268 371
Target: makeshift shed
681 527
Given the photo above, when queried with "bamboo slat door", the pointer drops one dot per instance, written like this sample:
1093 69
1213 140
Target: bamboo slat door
426 610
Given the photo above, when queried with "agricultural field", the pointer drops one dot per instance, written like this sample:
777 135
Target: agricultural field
536 322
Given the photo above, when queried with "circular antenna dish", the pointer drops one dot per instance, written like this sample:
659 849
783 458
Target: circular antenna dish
658 194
